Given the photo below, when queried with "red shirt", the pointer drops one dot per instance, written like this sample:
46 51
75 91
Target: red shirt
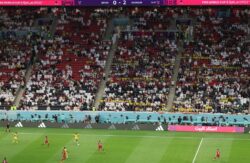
64 152
5 161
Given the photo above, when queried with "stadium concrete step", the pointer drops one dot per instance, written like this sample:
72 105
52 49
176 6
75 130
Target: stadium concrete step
109 61
108 33
53 26
171 95
21 89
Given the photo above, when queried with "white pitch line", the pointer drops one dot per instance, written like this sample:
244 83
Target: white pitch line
197 150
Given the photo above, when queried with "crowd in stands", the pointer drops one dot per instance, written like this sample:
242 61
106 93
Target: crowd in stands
15 56
215 69
141 72
152 18
17 18
15 52
68 66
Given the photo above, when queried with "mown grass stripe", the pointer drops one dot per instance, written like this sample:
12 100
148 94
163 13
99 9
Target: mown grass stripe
208 150
149 150
10 150
180 150
149 136
239 152
57 144
116 149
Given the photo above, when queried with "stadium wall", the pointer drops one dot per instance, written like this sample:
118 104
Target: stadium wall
127 121
127 117
135 126
47 124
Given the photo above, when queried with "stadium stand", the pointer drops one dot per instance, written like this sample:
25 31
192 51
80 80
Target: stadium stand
14 18
214 73
69 64
15 56
141 72
68 71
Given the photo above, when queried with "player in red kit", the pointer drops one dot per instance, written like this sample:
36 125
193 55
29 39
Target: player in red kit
217 156
64 155
46 141
100 146
5 160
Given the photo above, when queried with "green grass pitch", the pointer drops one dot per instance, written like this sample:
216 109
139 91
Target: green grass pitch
124 146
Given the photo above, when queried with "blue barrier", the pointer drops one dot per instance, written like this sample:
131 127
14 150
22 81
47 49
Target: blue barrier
126 117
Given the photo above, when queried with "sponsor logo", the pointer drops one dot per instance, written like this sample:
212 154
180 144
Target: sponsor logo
159 128
205 128
112 127
65 125
19 124
42 125
88 126
135 127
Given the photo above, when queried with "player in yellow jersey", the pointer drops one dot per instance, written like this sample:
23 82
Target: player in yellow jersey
15 138
76 138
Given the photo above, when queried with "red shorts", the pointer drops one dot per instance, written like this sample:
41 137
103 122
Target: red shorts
46 142
64 157
218 155
99 146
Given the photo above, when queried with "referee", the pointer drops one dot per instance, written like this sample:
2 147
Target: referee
7 127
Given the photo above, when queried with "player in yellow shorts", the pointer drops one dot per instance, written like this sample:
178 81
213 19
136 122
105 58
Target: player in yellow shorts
76 138
15 138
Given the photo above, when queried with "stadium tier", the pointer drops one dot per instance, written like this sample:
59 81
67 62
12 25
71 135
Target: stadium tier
214 71
141 72
67 72
125 59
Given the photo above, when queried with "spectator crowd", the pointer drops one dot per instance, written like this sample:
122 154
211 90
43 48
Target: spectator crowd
215 69
141 72
68 66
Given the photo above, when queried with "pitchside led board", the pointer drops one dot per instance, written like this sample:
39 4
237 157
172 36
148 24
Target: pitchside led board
124 2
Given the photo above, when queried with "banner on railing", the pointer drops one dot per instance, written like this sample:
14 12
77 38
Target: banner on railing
80 125
205 129
247 130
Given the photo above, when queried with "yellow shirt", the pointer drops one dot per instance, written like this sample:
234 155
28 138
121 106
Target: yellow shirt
15 136
76 136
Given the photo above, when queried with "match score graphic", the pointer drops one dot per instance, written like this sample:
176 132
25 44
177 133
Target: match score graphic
111 3
30 2
155 2
208 2
119 2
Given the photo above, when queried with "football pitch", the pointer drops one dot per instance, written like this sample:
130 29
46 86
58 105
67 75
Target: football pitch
123 146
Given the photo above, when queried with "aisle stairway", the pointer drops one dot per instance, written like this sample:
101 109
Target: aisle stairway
107 71
171 95
21 89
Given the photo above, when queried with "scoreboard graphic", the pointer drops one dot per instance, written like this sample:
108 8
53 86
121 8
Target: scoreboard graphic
124 2
30 2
